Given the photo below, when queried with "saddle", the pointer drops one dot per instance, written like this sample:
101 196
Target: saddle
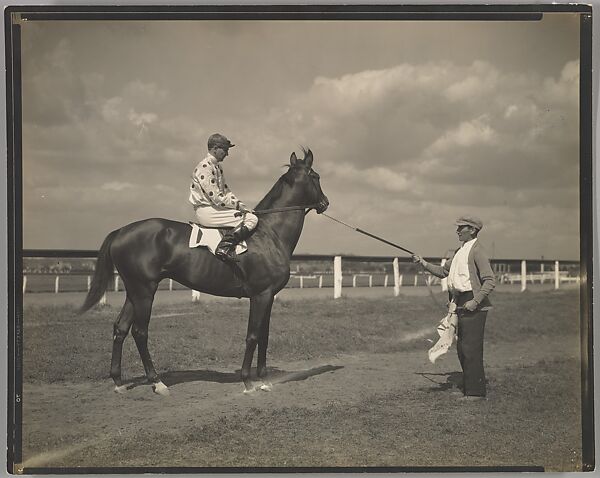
210 237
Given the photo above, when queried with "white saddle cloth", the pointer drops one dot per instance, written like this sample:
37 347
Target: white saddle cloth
210 237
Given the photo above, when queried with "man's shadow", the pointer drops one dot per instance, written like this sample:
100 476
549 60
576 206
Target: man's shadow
274 375
453 380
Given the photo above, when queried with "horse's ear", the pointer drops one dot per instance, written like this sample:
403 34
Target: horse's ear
293 159
308 158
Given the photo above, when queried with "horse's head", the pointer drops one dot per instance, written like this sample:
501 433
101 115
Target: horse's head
305 182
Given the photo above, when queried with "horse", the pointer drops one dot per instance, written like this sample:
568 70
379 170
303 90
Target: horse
148 251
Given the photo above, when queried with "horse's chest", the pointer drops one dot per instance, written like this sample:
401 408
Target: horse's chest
267 270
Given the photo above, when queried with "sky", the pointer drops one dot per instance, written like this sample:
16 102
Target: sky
412 124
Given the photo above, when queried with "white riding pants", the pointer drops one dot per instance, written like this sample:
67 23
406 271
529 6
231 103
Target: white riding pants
210 216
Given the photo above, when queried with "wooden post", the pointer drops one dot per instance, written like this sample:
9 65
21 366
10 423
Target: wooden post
301 282
556 275
89 283
337 277
371 280
320 282
397 278
24 284
400 280
354 280
416 279
56 284
523 275
385 281
170 285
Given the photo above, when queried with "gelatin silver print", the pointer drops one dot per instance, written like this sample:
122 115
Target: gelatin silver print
300 238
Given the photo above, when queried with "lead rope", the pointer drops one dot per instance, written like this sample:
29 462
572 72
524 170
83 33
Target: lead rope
369 234
435 301
357 229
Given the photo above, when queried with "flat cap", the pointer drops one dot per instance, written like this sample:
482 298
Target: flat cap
218 139
471 221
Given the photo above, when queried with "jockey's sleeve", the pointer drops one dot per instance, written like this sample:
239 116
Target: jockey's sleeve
213 184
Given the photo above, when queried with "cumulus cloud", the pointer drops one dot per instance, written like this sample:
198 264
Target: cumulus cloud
467 134
420 118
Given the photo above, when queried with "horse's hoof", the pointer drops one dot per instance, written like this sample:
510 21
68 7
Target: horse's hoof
161 389
248 391
266 387
120 389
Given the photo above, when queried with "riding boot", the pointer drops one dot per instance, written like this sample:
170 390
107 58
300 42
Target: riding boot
226 248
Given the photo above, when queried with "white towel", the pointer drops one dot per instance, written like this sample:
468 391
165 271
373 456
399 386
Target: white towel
447 330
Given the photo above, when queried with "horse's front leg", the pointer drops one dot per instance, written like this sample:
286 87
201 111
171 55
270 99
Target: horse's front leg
142 304
263 343
260 308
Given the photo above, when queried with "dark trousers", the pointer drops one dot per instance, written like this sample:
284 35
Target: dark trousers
471 326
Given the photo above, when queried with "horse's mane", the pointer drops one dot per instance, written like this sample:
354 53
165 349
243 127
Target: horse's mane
274 193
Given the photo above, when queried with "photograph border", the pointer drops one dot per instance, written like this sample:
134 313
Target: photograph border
14 15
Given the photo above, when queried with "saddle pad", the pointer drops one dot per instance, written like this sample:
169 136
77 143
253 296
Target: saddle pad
210 238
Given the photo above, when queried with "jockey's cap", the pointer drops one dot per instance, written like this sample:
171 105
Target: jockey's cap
471 221
217 139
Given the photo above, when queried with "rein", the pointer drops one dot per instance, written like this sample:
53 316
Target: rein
284 209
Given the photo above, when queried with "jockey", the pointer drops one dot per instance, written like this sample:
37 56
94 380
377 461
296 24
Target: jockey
214 203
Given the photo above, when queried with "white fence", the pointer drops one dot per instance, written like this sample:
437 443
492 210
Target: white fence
366 278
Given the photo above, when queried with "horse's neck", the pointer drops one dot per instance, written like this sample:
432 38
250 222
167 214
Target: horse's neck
287 225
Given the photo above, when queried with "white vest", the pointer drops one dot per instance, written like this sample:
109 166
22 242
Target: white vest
458 277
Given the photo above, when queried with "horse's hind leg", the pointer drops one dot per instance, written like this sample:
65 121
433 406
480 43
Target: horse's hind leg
142 303
120 331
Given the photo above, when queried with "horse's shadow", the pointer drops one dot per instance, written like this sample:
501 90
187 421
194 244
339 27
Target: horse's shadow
454 380
274 375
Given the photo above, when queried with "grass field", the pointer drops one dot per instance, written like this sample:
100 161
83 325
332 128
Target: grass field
352 387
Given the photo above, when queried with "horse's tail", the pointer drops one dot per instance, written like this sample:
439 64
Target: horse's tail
102 274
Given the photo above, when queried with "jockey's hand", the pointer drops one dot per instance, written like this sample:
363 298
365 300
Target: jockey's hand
470 305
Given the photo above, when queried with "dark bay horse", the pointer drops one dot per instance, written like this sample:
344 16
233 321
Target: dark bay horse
147 251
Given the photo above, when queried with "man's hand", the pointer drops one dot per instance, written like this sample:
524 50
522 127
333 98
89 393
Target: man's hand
418 259
470 305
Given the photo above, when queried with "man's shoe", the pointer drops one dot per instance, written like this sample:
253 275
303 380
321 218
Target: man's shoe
472 398
226 252
226 248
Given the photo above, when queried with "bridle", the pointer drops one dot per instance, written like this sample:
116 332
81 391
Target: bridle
307 207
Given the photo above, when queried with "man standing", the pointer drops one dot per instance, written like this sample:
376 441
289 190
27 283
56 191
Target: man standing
214 203
470 281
